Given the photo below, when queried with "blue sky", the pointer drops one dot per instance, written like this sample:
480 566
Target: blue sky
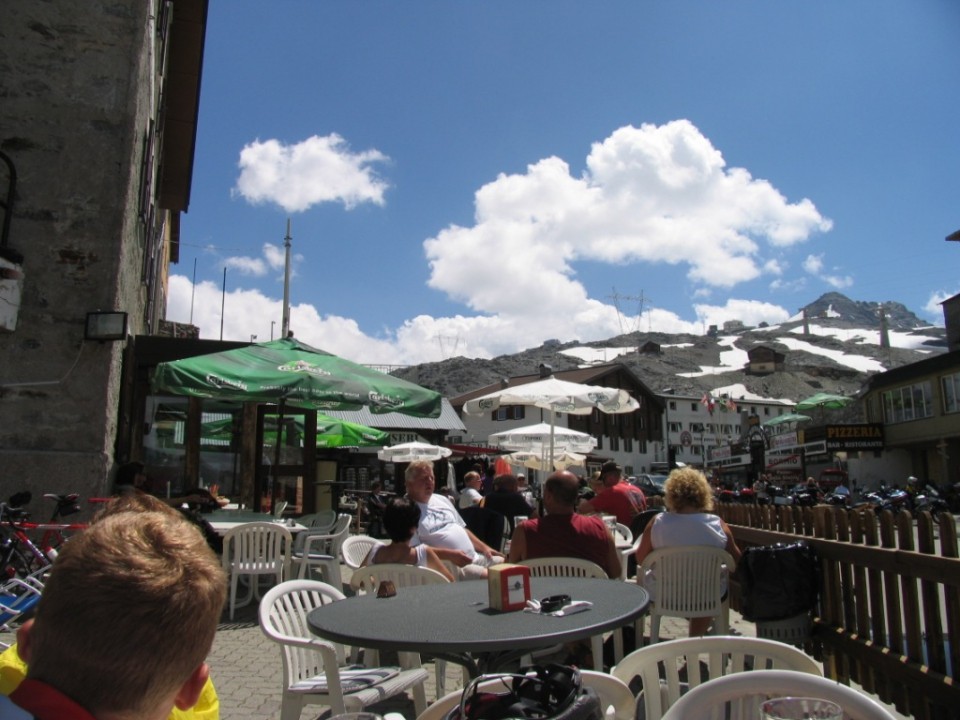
473 178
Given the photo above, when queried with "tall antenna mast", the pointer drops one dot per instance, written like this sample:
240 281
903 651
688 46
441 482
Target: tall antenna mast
285 320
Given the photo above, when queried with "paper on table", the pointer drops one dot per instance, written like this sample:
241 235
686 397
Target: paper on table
571 608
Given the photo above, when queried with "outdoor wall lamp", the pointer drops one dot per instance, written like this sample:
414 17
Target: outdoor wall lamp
104 326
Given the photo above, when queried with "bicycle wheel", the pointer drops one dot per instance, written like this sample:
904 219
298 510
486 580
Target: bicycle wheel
15 564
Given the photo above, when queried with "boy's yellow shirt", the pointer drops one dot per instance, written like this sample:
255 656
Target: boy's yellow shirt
13 670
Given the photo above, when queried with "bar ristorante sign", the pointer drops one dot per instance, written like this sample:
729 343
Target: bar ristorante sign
864 436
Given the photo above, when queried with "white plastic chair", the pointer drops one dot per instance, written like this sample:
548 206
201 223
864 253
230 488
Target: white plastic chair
253 550
323 520
738 696
355 549
674 665
312 668
571 567
316 548
622 534
563 567
616 700
368 578
689 584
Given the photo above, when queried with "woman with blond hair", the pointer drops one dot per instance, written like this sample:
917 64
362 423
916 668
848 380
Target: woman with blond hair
689 520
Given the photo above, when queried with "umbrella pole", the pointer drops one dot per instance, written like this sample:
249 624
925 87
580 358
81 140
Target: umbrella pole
276 458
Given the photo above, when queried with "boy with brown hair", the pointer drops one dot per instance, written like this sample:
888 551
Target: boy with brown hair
125 622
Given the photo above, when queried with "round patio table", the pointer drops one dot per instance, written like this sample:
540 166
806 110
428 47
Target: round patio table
454 621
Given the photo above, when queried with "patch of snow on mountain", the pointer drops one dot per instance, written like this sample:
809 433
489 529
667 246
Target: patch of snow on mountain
831 312
597 355
738 391
732 359
864 336
857 362
678 345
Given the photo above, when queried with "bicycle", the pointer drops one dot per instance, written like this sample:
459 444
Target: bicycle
19 555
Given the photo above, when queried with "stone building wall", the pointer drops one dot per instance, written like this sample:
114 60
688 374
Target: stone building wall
76 97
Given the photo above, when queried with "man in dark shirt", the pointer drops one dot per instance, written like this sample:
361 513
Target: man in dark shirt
506 499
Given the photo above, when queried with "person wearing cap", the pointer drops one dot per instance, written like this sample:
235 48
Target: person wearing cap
617 497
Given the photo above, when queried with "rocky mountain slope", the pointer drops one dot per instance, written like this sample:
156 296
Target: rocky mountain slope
838 352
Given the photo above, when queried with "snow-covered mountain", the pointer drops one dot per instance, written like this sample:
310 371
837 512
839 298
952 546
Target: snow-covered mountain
833 344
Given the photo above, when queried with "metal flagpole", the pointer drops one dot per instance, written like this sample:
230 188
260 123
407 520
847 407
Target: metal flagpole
285 323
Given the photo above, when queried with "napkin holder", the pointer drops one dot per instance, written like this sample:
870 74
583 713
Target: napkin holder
508 586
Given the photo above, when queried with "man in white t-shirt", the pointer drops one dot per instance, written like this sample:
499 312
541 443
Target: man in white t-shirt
470 495
441 526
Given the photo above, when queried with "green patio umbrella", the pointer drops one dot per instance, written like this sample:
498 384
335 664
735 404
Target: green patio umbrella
331 432
289 371
788 418
823 401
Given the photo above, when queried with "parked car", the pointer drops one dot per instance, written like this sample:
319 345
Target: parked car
650 484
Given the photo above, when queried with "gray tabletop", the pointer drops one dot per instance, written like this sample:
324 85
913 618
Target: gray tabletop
455 619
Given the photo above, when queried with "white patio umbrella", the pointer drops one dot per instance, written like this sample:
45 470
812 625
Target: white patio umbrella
529 437
408 452
535 459
557 396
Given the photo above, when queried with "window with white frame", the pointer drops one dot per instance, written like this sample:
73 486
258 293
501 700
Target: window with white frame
951 392
910 402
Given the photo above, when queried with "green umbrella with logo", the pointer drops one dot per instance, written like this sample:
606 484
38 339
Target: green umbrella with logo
289 371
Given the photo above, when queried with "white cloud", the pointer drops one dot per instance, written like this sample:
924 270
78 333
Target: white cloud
749 312
316 170
653 195
933 309
247 265
813 264
650 196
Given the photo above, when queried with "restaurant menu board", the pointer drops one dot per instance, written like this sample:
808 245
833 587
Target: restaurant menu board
508 586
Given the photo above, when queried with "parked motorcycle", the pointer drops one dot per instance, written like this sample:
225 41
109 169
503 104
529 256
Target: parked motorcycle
928 499
893 499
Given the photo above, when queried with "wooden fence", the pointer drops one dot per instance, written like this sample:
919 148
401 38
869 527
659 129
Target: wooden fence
888 617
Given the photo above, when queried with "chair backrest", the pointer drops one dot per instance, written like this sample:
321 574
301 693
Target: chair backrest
563 567
355 549
283 618
613 694
671 666
256 546
324 519
323 542
640 522
624 533
369 577
689 579
741 694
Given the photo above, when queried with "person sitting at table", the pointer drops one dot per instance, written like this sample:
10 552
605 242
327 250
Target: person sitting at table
376 505
400 519
442 528
617 497
470 495
563 532
506 499
688 521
